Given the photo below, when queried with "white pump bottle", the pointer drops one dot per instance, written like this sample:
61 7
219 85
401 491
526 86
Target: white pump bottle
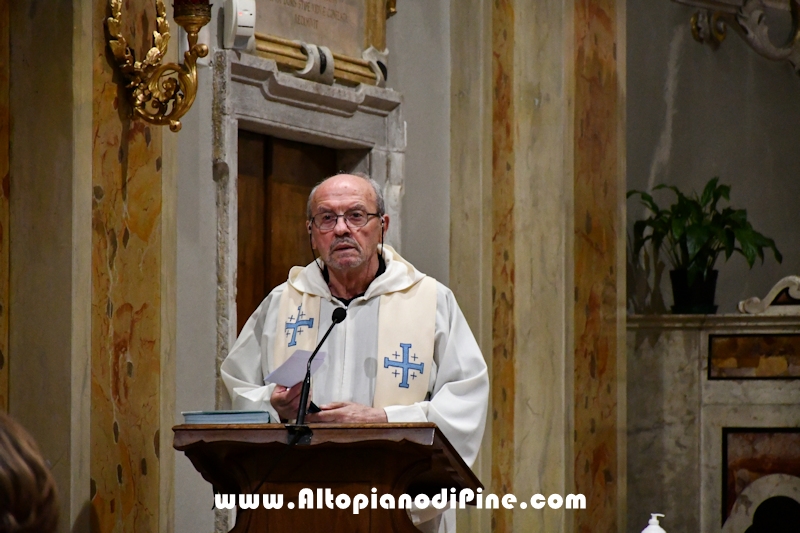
653 526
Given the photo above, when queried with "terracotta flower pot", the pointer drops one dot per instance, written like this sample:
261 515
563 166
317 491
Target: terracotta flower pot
694 299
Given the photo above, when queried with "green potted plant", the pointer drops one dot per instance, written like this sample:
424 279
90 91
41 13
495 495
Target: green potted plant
694 232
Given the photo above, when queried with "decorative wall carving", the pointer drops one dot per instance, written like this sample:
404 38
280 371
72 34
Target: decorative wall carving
160 93
747 18
782 299
348 29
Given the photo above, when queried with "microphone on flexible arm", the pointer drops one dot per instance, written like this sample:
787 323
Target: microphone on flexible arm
339 314
299 433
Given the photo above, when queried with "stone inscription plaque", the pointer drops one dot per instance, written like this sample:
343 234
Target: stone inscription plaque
338 24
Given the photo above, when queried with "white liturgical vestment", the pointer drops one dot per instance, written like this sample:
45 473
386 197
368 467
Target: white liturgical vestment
458 386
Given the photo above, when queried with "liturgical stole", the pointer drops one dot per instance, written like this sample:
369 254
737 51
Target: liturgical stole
406 325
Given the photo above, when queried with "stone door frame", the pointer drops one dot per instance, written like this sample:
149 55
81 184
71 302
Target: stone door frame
364 122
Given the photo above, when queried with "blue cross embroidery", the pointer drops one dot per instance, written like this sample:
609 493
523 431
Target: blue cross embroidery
405 364
297 325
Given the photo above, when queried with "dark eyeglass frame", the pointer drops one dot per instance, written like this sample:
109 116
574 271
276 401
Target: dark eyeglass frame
349 223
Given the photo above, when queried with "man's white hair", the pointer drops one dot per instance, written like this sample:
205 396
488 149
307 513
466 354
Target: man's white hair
375 187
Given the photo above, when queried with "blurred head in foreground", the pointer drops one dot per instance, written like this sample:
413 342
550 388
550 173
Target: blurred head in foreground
28 501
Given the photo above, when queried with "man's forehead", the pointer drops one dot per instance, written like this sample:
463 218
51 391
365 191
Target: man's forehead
345 188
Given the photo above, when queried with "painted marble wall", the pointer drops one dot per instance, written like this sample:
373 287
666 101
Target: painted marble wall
555 262
597 219
470 205
126 295
694 113
5 189
504 353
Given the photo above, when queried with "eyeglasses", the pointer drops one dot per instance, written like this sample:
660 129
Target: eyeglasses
354 218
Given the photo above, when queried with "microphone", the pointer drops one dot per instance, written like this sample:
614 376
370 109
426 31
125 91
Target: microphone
339 314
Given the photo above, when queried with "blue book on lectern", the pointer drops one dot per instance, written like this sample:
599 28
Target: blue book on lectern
225 417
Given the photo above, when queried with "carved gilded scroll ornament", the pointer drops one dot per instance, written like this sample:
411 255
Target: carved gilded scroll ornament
782 299
747 18
161 93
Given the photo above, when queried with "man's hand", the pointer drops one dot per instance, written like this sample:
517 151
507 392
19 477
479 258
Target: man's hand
287 401
347 412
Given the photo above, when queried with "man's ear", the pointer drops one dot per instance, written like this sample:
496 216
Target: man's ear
310 235
384 224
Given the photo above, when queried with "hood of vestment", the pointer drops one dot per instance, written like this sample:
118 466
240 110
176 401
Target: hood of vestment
399 276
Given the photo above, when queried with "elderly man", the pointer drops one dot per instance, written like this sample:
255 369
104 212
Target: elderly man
403 354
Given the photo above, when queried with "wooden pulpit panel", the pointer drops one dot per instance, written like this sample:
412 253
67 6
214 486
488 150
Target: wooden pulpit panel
346 458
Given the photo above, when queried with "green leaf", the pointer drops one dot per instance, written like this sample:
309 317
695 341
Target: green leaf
778 256
728 242
708 192
678 226
743 236
638 236
697 237
739 217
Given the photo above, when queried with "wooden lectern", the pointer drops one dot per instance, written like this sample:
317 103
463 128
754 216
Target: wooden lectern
348 459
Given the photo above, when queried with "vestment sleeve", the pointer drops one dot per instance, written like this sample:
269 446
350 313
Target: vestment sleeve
460 395
244 369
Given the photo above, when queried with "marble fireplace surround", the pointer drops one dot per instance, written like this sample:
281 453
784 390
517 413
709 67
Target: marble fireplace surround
363 123
676 414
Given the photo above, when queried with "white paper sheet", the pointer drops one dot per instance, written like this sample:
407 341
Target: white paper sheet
293 370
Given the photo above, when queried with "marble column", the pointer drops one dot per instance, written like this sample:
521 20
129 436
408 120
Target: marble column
92 261
471 195
541 227
133 284
5 191
599 263
50 241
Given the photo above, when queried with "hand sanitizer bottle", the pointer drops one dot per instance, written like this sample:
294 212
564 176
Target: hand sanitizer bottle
653 526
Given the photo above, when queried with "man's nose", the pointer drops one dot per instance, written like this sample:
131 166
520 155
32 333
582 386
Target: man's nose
341 227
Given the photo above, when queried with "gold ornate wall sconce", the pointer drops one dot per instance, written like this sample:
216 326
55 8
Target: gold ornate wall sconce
161 93
391 8
748 19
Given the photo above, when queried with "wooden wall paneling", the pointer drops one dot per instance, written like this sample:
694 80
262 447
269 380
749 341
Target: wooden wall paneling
296 168
251 243
275 178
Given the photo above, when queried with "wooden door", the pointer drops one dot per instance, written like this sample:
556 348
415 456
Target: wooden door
275 179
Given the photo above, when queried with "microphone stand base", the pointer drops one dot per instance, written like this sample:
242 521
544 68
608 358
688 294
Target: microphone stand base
299 434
